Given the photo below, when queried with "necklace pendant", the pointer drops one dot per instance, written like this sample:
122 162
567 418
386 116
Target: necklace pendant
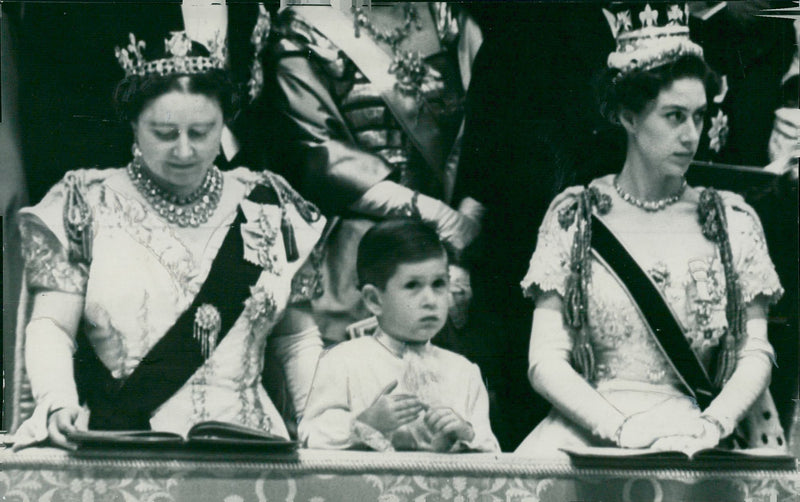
207 326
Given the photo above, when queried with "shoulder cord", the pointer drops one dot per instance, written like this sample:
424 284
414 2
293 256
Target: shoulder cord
307 210
711 213
77 220
576 304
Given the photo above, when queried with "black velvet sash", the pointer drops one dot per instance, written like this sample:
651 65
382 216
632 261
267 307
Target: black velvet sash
117 404
657 313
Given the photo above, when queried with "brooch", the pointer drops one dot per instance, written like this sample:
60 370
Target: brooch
207 325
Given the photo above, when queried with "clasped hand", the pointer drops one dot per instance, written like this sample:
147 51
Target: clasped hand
444 427
447 428
656 427
390 411
689 444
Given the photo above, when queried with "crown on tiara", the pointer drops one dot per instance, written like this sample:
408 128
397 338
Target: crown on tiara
643 43
176 61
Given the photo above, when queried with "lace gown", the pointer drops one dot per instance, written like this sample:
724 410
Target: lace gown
144 273
631 372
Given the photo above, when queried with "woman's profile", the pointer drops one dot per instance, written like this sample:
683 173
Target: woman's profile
651 295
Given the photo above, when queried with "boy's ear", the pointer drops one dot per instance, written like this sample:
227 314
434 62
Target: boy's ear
627 119
372 299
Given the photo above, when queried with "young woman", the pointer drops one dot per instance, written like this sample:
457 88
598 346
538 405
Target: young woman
651 296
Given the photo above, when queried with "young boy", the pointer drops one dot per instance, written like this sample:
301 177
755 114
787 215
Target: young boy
395 390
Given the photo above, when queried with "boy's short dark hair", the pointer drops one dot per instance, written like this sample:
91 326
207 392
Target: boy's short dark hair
392 243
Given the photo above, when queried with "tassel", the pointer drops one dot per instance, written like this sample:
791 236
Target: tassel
583 357
572 302
87 237
289 242
356 27
726 361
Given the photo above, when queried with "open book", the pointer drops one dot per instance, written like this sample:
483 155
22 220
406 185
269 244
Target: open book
712 458
210 435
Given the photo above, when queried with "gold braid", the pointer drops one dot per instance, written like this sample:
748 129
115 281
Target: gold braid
576 300
711 212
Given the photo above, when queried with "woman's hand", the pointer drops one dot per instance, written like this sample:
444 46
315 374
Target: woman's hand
673 417
447 427
460 295
61 423
708 438
388 411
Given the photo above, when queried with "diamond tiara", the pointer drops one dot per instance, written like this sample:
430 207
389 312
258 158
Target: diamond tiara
177 60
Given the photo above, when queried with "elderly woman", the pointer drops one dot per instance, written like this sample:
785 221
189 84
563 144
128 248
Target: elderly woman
651 296
156 287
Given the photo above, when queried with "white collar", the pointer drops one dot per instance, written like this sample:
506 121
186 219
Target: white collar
399 347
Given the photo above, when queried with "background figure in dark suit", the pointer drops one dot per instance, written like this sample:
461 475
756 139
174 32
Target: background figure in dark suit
754 53
531 130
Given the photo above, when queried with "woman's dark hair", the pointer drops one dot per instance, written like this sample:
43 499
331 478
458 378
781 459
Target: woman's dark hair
392 243
634 90
134 92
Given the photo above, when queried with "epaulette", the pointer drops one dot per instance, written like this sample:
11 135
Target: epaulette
274 189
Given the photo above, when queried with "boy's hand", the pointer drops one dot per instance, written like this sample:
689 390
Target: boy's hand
447 428
389 412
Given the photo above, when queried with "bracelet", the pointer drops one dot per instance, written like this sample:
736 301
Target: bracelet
408 210
415 214
713 421
618 432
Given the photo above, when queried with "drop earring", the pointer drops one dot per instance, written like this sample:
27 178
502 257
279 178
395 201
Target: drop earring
135 151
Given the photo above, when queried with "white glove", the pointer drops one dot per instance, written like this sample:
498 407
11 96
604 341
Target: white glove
298 354
784 141
460 295
388 198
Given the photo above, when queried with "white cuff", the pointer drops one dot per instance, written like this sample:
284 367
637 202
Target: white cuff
48 362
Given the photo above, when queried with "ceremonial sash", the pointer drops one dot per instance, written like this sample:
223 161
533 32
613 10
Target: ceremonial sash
658 315
417 121
119 404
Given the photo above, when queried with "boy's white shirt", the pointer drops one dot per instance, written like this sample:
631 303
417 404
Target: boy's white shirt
352 374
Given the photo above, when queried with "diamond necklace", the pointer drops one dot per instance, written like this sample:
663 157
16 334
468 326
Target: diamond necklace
188 211
392 37
650 205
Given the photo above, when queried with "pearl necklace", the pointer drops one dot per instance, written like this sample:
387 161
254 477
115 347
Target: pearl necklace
188 211
650 205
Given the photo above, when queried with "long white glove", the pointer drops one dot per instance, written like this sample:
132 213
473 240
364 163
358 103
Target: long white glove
299 354
748 381
48 361
556 380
